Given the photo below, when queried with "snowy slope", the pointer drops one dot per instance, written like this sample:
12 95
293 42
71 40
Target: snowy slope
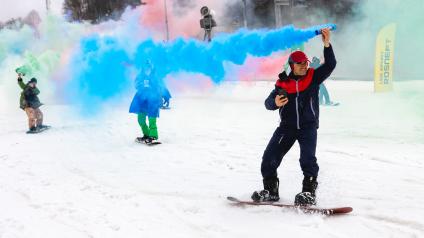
87 178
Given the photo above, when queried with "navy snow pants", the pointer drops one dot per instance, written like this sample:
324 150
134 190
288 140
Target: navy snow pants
281 142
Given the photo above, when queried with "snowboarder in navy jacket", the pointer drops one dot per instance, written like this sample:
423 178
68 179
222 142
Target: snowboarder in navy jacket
296 97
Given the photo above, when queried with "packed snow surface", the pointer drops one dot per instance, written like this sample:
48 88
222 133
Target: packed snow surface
86 177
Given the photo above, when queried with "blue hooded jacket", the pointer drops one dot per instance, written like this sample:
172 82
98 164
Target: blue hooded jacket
150 88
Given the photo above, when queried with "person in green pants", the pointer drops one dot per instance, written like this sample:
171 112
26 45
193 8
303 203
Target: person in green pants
147 102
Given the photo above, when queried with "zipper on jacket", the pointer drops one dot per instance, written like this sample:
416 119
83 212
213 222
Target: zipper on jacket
281 138
312 108
297 105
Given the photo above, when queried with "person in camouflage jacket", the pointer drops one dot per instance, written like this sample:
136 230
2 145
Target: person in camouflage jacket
30 103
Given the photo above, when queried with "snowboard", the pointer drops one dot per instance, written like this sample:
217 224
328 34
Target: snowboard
304 209
149 144
331 104
39 130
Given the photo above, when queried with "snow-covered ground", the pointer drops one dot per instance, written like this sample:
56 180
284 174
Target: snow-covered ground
86 177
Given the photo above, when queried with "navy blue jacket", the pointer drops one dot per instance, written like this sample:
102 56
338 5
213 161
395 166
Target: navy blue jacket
302 109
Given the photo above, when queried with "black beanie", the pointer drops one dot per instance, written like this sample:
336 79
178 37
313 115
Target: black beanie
33 80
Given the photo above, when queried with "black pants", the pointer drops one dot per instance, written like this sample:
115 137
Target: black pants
281 142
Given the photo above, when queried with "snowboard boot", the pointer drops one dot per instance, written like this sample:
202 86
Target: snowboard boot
32 130
269 193
307 196
141 139
42 127
150 140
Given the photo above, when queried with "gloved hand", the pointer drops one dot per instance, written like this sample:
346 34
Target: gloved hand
165 102
283 75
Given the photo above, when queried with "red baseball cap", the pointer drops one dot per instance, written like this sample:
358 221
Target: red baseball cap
297 57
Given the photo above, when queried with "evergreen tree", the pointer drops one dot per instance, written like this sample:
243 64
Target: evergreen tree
96 11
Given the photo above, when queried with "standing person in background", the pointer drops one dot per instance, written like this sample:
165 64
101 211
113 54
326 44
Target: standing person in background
324 95
30 103
323 92
147 102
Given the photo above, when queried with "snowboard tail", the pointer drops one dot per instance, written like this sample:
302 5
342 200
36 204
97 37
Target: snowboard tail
304 209
331 104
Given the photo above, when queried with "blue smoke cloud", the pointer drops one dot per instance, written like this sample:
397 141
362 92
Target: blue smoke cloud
100 71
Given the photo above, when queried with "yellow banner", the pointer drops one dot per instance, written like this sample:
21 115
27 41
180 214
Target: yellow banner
384 54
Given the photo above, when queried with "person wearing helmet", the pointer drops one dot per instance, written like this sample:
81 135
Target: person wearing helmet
30 103
296 97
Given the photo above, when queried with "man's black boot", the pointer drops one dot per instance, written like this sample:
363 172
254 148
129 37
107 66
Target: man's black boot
307 196
270 191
